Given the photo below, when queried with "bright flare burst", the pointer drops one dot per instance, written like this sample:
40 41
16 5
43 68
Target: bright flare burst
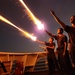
33 18
26 34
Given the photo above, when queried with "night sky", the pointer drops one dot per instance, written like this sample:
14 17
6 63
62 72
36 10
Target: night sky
11 39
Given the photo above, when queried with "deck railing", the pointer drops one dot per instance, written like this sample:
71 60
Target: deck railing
29 60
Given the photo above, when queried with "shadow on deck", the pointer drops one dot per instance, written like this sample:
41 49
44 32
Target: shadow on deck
46 73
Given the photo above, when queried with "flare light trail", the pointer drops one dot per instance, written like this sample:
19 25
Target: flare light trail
26 34
35 20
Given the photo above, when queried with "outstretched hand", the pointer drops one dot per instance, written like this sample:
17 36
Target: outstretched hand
52 12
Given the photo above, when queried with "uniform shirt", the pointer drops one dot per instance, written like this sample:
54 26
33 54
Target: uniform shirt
50 50
71 33
60 41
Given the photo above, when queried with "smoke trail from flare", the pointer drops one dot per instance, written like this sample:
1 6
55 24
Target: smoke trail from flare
26 34
35 20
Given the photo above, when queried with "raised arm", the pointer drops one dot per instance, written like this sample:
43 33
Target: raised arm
40 42
48 33
57 19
